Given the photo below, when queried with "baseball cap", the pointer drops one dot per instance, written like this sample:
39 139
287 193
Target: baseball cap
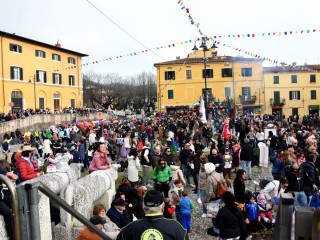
97 220
153 198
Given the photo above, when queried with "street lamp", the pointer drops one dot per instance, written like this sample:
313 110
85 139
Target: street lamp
34 91
205 43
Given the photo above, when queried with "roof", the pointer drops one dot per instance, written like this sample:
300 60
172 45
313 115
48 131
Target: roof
304 68
210 60
28 40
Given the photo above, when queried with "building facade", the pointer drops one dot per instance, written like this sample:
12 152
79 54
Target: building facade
234 84
292 90
37 75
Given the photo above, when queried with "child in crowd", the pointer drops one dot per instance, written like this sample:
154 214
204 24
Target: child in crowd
265 209
169 209
252 216
227 158
186 206
176 195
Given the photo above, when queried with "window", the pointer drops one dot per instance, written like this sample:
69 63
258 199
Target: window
170 94
226 72
188 74
71 60
40 54
169 75
41 76
227 91
312 78
56 95
294 112
276 97
275 79
294 95
313 94
246 91
246 72
208 73
209 92
56 57
16 73
41 103
294 79
71 80
15 48
56 78
72 103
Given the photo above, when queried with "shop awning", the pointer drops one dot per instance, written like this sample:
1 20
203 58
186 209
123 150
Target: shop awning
277 107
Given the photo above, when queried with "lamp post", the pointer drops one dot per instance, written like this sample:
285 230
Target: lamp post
205 43
34 91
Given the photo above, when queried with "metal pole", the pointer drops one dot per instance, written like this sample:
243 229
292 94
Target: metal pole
33 196
34 91
205 82
15 206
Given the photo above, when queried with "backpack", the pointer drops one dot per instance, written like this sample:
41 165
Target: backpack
221 187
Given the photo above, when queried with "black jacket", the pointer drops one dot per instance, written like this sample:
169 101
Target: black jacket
156 225
246 152
311 177
217 159
295 180
239 190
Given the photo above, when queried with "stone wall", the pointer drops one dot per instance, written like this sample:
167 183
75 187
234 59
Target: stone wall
41 121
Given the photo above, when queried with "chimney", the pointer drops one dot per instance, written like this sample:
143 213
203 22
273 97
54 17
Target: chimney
58 44
177 57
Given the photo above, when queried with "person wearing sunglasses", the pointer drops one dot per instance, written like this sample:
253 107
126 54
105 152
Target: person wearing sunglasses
162 176
167 155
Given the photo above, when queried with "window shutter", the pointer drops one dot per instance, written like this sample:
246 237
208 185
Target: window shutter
21 73
53 77
10 47
59 58
45 77
69 80
60 78
290 95
203 73
44 54
20 49
37 76
298 95
12 72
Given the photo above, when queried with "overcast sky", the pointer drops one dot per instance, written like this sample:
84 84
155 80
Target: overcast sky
80 27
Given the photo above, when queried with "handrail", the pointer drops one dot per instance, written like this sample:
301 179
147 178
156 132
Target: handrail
63 204
15 206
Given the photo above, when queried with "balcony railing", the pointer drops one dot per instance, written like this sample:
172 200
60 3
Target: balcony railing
280 103
245 99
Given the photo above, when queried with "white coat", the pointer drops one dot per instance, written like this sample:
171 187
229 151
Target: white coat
133 168
46 146
61 161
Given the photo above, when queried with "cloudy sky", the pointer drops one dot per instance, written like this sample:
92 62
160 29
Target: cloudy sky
82 27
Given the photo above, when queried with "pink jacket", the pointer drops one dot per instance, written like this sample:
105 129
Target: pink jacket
98 162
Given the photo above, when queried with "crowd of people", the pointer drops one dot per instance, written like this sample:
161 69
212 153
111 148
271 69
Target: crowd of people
170 152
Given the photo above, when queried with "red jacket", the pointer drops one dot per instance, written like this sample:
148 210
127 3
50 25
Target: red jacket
26 171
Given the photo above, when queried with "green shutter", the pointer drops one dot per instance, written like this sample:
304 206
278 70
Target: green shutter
276 96
170 94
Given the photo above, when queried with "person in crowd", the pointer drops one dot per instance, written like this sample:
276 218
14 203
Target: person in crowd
311 178
25 166
155 157
277 165
184 157
75 154
265 209
274 189
47 151
6 149
109 228
239 186
217 160
125 188
169 209
252 216
133 167
175 196
186 206
162 176
229 220
61 158
154 224
135 202
246 157
146 163
87 234
100 159
118 213
167 155
202 187
127 143
177 173
227 158
236 157
295 177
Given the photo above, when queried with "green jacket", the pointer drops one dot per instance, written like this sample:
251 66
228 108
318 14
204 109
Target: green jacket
163 175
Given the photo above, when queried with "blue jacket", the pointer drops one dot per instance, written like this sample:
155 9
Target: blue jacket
277 166
186 205
252 211
120 219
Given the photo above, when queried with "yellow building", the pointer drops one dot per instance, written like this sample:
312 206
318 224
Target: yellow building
234 84
38 75
292 90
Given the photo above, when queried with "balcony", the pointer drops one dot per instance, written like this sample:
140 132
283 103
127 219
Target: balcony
245 99
278 102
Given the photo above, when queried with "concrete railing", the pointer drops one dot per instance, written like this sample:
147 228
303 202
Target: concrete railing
39 121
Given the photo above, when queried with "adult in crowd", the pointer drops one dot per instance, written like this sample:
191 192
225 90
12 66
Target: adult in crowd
26 168
274 189
311 177
229 220
146 163
246 156
100 159
133 166
155 157
118 213
61 158
47 151
239 186
135 202
125 188
153 225
6 149
109 228
162 176
295 176
184 157
167 155
87 234
217 160
277 165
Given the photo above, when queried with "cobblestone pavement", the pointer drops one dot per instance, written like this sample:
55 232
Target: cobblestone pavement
199 225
